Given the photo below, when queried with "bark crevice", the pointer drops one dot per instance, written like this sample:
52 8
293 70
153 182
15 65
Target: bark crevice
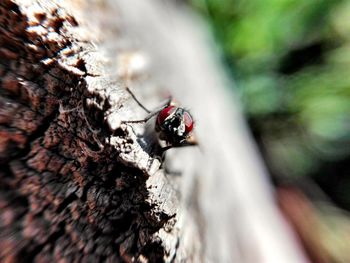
71 187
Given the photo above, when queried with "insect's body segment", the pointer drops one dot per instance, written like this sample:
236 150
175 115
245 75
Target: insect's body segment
174 124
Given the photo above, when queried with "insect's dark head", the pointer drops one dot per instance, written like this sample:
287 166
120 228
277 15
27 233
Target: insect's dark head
174 124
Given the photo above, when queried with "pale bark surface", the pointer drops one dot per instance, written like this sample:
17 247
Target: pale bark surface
79 186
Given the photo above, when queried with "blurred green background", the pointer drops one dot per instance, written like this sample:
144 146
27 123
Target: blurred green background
290 60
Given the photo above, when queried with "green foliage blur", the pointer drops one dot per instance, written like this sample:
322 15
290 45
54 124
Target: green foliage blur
291 62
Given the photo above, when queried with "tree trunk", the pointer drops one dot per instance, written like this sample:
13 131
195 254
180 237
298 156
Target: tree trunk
79 185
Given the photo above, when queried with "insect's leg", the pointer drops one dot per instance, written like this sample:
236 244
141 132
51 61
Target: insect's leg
143 120
165 104
168 102
137 101
164 149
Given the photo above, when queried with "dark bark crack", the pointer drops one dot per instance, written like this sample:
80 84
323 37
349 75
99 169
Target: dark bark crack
64 192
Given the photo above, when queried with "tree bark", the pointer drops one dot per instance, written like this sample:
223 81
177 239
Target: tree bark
78 185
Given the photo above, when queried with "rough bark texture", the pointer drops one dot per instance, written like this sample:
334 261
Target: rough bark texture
71 187
77 185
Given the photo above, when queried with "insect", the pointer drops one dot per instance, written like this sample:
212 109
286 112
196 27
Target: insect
174 125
